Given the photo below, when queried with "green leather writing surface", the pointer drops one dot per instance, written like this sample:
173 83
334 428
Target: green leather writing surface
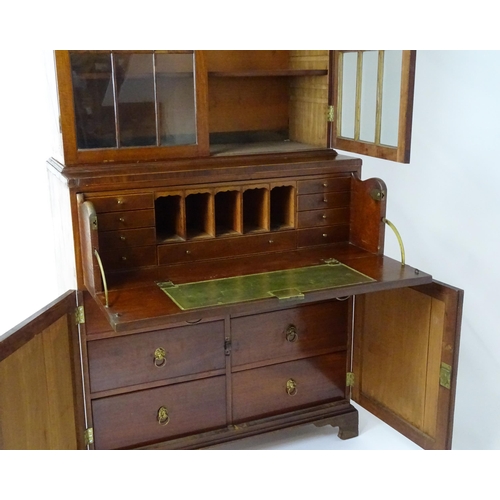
286 284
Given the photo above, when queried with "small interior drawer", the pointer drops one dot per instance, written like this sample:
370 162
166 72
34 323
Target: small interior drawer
128 258
114 221
159 414
322 235
133 359
119 203
289 334
324 185
127 238
321 201
327 217
288 386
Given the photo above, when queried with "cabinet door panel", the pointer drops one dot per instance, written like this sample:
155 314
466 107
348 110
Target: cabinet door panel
405 358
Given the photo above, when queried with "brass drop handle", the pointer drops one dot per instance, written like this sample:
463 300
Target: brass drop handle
160 357
162 416
291 334
291 387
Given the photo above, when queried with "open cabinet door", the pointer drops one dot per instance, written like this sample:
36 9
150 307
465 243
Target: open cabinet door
405 352
40 381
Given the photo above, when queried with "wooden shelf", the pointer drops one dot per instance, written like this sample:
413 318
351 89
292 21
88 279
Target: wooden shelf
268 73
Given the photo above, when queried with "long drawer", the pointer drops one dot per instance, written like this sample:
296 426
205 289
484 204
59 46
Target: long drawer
226 247
288 386
159 414
289 334
149 357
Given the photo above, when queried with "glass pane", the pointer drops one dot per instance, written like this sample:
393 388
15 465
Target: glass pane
93 99
348 103
175 88
390 97
369 96
136 99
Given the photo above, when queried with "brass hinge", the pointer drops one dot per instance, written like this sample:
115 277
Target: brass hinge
330 114
227 346
350 379
93 222
445 376
80 315
89 436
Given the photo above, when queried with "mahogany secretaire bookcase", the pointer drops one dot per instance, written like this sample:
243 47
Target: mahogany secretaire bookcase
230 268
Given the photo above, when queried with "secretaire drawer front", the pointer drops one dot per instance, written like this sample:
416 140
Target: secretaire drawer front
321 218
288 386
323 201
120 203
226 247
159 414
128 258
115 221
289 334
149 357
127 238
322 235
324 185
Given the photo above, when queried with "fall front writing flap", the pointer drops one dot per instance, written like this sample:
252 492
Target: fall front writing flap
405 359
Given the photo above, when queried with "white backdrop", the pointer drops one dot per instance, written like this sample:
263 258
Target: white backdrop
443 203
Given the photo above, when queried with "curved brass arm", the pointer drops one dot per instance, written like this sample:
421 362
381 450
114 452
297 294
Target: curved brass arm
398 236
103 276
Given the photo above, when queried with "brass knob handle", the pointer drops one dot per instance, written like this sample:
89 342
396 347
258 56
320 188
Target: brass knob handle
291 334
291 387
123 238
162 416
119 201
160 357
325 184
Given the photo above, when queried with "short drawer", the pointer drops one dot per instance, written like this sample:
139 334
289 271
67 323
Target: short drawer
128 258
289 334
289 386
127 238
149 357
126 220
322 235
226 247
319 218
119 203
324 185
159 414
323 201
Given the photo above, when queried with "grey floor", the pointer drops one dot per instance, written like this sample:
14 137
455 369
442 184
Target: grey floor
373 435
